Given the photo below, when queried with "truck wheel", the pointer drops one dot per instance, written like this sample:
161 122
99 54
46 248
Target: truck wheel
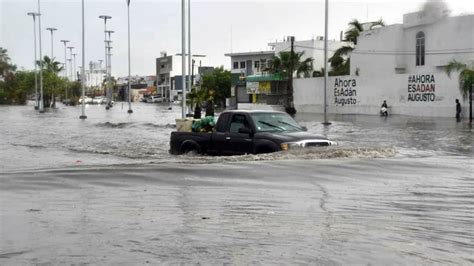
190 149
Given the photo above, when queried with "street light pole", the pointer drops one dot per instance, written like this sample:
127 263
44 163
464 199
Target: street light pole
183 58
70 69
41 103
189 47
70 56
129 75
52 51
326 122
74 76
105 18
83 114
34 15
65 64
109 60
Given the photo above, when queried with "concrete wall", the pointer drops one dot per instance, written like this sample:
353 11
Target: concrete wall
364 95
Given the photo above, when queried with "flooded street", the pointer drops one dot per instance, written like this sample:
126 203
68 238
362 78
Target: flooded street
396 191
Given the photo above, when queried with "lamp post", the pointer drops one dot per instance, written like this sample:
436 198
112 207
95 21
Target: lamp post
109 74
326 122
83 114
74 76
65 64
70 56
41 103
105 18
183 57
109 60
189 47
34 15
129 90
70 67
52 50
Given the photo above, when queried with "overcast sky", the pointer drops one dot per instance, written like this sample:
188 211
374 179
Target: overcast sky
156 26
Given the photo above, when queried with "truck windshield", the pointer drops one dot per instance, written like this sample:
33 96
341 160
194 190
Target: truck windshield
271 122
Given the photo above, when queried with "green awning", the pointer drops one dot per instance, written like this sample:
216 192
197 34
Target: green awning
266 77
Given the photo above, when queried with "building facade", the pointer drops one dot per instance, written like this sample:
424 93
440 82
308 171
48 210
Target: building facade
401 63
311 48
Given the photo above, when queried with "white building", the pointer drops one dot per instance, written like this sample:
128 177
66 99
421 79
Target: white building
401 63
250 63
311 48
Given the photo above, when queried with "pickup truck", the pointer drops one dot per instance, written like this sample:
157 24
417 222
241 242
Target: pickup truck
247 132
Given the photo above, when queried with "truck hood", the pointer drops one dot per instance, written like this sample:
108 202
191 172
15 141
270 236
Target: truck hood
290 136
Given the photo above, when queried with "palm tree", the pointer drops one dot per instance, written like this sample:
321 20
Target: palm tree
51 69
5 66
466 80
286 62
282 64
50 65
340 65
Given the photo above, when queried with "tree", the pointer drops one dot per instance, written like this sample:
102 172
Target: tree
52 84
466 81
217 84
287 62
281 64
340 61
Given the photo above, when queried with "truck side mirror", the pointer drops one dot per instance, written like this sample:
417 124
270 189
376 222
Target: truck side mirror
245 130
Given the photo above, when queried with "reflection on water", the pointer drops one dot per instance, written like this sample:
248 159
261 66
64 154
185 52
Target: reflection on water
413 206
58 138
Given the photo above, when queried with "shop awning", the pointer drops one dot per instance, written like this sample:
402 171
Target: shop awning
267 77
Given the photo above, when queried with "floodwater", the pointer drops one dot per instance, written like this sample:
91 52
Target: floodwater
396 191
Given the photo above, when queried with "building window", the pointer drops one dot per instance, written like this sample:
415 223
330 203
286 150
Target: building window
242 64
257 64
420 49
236 65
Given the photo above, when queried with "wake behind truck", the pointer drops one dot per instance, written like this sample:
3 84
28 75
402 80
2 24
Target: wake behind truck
247 132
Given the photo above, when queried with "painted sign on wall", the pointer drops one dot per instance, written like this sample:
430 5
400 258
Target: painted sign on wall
345 92
421 88
252 87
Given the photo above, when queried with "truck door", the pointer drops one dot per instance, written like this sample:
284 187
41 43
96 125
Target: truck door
219 143
239 143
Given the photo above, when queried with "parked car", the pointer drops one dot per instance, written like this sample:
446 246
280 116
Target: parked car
244 132
154 99
99 100
86 99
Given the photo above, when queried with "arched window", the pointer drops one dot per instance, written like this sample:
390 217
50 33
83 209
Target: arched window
420 49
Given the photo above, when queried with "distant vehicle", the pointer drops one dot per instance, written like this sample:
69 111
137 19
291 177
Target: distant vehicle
67 102
144 99
247 132
99 100
86 100
154 99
